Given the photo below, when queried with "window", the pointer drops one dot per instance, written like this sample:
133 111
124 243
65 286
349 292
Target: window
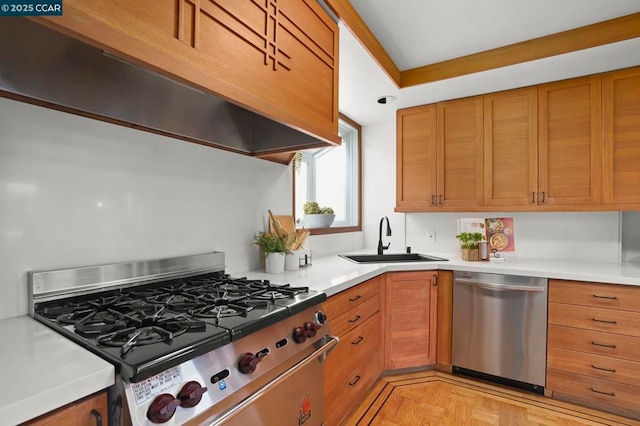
331 177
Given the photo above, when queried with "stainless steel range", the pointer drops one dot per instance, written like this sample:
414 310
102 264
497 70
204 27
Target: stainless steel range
190 344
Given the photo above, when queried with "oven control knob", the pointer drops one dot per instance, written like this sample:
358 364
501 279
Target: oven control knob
310 329
320 318
191 394
299 335
248 362
162 408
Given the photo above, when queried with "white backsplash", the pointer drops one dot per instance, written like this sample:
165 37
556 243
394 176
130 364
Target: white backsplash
77 192
566 235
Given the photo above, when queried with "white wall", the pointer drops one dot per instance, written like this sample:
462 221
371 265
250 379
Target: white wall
566 235
77 192
589 235
631 236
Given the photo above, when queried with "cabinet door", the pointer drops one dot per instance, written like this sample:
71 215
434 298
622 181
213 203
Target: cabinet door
91 410
622 136
416 158
410 319
570 142
459 148
511 147
276 58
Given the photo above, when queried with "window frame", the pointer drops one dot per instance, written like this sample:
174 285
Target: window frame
340 229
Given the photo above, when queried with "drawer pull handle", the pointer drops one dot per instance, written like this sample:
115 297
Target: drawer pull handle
356 380
606 297
355 319
603 393
358 340
355 298
433 200
610 370
96 414
603 345
605 321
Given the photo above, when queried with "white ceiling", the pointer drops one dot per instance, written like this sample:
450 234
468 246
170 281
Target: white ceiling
421 32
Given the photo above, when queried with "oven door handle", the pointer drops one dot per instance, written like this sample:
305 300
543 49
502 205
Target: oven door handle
496 286
322 351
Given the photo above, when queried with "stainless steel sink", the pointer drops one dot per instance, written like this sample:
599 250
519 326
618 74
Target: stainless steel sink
384 258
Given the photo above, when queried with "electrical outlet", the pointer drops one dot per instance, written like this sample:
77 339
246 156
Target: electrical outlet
431 236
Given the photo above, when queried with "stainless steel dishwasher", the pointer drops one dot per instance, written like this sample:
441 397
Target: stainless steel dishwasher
500 328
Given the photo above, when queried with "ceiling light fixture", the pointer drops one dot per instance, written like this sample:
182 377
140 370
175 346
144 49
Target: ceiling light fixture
386 99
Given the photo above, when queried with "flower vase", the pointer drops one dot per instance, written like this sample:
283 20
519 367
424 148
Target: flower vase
470 254
274 263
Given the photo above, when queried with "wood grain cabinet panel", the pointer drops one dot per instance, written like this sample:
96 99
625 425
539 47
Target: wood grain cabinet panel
410 319
416 158
611 296
459 150
621 179
511 148
355 316
356 363
91 410
570 142
444 319
595 342
276 57
340 303
593 353
605 395
439 156
597 319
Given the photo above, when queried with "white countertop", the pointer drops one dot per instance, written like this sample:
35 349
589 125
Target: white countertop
333 274
46 370
42 370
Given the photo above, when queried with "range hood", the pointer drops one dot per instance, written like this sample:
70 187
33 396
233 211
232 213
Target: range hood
42 66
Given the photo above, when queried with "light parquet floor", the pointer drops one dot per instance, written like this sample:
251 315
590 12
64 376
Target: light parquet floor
440 399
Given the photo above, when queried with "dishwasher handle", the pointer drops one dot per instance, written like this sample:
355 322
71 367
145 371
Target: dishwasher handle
498 286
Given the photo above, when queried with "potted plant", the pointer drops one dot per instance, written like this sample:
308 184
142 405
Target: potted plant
274 248
469 244
316 216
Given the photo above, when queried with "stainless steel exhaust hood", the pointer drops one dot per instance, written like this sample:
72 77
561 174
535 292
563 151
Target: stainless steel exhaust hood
42 66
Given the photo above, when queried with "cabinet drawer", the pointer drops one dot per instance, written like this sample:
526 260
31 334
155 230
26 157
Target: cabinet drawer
354 317
352 297
595 342
599 319
597 366
602 392
611 296
350 389
353 349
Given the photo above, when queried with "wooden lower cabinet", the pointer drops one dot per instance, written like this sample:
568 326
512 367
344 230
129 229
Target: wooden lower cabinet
444 320
91 410
410 319
593 354
356 362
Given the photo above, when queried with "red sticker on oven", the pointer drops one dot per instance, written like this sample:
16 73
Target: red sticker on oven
305 409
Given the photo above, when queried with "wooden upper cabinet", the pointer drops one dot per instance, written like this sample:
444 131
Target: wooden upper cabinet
511 147
459 153
621 179
416 158
570 147
277 58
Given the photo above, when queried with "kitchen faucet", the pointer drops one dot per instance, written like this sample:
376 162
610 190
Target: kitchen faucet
381 248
